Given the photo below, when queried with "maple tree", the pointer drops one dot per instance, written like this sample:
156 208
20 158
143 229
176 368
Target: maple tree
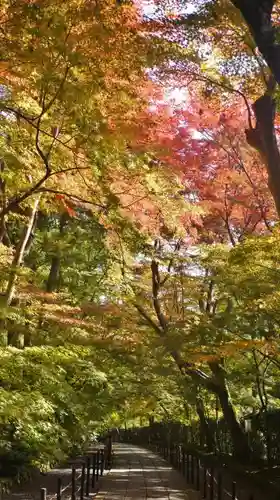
263 135
211 311
226 179
74 185
139 238
62 124
199 30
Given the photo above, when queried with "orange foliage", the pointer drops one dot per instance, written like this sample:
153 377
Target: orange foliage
207 149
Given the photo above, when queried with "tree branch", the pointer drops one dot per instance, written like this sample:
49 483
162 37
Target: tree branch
149 320
73 196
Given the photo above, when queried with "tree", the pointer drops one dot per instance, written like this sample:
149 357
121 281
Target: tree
258 16
70 104
137 235
59 111
205 144
227 71
177 318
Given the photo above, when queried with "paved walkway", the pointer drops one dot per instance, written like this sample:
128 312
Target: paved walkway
139 474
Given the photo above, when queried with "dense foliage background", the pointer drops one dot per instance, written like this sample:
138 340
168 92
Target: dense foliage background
140 247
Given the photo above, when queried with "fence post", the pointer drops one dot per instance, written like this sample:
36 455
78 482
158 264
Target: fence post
233 491
211 484
43 494
109 452
102 463
197 474
88 477
97 464
183 462
188 467
204 482
73 484
93 469
59 484
219 486
192 469
82 481
106 456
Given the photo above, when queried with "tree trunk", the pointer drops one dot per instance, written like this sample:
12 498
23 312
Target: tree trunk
241 448
17 261
54 274
204 425
257 14
151 421
263 139
4 236
217 386
19 254
16 338
31 236
53 277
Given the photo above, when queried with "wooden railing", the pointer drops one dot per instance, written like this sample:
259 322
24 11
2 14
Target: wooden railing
85 475
210 475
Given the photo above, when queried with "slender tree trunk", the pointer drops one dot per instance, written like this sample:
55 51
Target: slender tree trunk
4 237
17 261
151 421
217 386
19 254
204 425
54 274
31 236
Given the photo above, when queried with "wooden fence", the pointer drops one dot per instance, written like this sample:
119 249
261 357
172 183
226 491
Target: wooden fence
211 475
85 476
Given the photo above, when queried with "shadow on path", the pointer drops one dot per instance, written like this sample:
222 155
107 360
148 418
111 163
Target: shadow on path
139 474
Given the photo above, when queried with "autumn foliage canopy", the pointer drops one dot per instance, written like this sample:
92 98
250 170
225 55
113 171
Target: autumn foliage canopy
139 204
